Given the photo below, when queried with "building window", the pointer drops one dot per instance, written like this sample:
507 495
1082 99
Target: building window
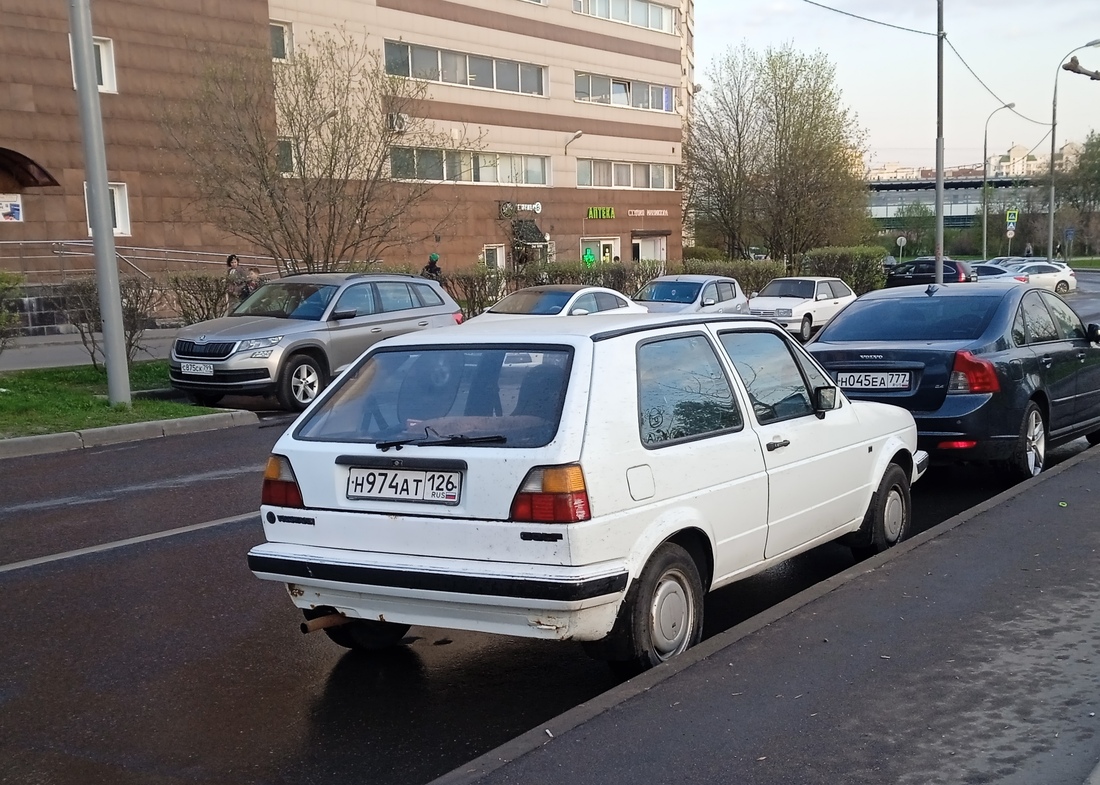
639 13
457 166
103 54
284 156
623 92
120 209
440 65
280 41
493 256
620 174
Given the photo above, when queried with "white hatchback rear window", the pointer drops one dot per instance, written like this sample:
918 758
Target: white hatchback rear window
499 396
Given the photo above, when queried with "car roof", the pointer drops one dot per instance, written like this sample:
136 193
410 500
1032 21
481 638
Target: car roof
952 290
693 278
571 288
339 278
806 278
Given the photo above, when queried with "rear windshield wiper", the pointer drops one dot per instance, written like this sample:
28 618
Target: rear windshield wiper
438 441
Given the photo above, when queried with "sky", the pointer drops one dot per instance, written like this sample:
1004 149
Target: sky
888 76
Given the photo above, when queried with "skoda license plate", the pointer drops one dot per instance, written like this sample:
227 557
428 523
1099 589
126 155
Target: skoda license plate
437 487
197 369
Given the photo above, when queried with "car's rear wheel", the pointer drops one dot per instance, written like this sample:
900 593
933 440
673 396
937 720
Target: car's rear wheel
1031 447
662 615
805 330
300 382
888 517
204 398
360 634
1061 287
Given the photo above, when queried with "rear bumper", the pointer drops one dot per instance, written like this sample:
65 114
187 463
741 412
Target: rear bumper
981 419
511 599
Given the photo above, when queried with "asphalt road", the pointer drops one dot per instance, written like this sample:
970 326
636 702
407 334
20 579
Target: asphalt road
160 659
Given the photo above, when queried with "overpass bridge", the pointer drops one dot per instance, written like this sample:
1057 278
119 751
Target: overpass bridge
962 198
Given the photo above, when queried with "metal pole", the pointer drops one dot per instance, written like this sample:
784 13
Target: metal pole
939 142
99 207
1053 127
985 177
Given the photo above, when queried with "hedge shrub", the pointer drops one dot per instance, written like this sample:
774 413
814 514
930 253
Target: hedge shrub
859 267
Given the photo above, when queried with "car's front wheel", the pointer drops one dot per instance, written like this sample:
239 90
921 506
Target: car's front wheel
805 330
1028 459
888 517
300 382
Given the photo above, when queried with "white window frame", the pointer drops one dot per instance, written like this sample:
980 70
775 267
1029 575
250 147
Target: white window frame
633 87
120 202
543 70
288 39
669 173
516 163
105 47
292 171
616 246
674 15
502 259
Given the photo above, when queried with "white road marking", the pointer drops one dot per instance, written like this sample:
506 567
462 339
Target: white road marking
110 546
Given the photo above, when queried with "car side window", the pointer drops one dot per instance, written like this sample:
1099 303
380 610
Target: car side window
840 289
710 292
359 298
587 303
609 302
1068 323
395 296
427 295
813 374
725 291
823 289
771 375
1019 328
683 393
1040 325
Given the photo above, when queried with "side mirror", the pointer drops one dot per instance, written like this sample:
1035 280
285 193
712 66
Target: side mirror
346 313
579 312
708 302
1094 333
822 297
824 400
755 294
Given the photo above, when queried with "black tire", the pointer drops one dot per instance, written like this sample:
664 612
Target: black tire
1093 438
300 382
204 398
1029 457
1061 287
888 517
806 329
662 615
363 635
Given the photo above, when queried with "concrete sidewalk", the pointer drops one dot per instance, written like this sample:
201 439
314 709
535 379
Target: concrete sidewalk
969 654
56 351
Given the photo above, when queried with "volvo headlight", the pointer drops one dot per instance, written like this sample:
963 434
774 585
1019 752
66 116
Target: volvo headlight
258 343
783 313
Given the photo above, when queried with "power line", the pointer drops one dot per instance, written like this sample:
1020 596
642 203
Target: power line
989 90
865 19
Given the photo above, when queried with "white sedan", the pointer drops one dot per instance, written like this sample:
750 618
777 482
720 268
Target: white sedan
561 300
802 305
1056 277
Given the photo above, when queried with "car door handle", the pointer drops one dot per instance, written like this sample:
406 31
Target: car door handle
376 329
423 323
1047 361
773 446
1082 355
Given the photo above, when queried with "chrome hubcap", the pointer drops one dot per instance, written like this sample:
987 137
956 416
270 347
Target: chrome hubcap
305 383
672 615
893 515
1036 443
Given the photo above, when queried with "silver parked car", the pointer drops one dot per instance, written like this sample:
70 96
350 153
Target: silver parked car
291 336
693 294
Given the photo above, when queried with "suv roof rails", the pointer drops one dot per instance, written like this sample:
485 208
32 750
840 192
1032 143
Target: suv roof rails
392 275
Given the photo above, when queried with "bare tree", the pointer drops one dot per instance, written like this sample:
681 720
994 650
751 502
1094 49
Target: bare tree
774 155
319 160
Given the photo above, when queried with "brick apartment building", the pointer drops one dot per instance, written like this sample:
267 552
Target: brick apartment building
579 104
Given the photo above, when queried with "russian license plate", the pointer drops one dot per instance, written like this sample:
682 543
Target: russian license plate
405 485
197 369
877 380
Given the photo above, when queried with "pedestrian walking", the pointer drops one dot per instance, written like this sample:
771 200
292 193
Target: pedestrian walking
432 269
1028 251
234 281
252 282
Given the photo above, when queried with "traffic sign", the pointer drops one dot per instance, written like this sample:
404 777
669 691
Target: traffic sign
1012 216
1070 232
1011 226
901 241
1010 234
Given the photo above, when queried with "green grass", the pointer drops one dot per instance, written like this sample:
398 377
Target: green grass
57 400
1089 263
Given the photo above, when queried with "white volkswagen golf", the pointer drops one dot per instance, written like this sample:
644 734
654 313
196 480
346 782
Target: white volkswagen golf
580 479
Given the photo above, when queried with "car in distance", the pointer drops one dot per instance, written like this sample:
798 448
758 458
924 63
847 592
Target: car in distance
801 305
693 294
1056 277
987 271
561 300
291 336
922 270
994 372
572 479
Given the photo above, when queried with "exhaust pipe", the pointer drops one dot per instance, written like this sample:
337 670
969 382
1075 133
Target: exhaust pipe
324 622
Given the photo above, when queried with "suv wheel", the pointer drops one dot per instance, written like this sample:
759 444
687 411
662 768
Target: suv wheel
300 382
1061 287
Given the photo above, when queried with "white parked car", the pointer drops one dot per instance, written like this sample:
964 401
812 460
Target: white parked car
693 294
572 479
1056 277
561 300
802 305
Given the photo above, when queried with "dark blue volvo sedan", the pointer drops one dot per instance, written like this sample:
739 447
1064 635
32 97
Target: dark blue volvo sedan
993 371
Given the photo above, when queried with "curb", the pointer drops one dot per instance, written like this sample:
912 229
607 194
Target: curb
25 446
551 731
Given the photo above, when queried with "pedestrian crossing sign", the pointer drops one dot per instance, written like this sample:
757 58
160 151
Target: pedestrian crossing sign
1011 216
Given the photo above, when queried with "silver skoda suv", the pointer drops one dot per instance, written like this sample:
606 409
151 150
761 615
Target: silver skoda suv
293 335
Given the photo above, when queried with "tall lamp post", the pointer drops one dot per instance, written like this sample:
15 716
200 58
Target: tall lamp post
1053 147
985 177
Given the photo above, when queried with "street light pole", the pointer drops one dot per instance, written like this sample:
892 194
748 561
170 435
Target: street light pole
939 142
985 177
1053 147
